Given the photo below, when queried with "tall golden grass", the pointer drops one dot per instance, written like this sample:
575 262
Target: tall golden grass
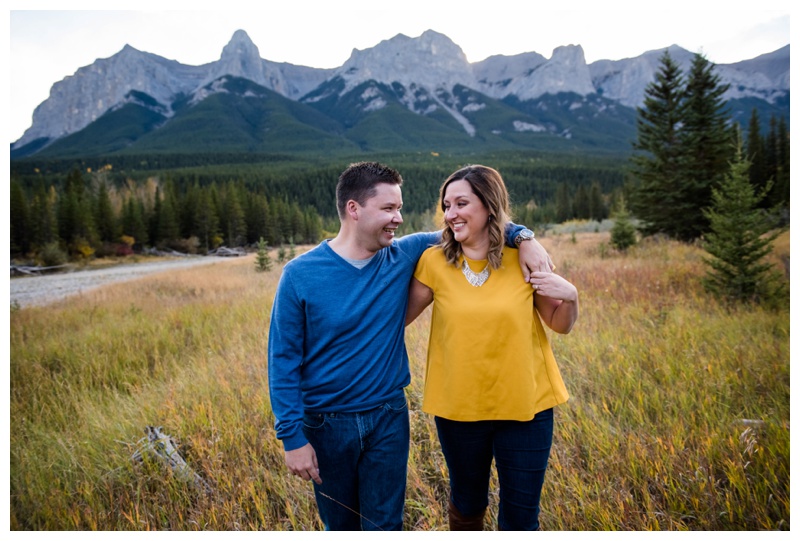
678 417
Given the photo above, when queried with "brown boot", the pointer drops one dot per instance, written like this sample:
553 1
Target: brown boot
462 523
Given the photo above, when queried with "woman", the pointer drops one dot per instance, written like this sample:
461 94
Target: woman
491 378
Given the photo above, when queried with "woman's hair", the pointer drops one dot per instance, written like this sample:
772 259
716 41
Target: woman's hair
488 185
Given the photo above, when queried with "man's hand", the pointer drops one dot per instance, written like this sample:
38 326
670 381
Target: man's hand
533 258
303 462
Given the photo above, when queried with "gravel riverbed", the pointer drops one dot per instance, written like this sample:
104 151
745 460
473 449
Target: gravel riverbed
41 290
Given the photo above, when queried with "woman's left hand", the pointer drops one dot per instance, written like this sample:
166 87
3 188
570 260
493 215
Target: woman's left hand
550 284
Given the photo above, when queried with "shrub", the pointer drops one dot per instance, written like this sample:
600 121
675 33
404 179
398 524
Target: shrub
52 255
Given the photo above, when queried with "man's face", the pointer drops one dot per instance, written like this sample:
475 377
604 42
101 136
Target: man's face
379 218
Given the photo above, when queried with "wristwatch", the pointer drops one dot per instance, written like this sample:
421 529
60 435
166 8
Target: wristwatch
525 234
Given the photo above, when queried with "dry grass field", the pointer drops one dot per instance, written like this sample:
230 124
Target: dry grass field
678 417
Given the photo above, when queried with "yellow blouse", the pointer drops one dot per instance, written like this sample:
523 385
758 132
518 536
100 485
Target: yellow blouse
488 354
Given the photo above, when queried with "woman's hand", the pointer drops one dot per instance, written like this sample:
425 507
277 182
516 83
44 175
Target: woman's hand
554 286
556 300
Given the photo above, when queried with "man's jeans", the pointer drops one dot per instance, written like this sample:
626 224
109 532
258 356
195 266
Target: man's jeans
520 450
362 460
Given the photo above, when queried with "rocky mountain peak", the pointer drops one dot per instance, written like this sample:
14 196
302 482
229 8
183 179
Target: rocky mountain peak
530 76
569 56
240 48
240 58
431 60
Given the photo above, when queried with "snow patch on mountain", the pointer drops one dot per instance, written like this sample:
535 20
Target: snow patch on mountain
521 126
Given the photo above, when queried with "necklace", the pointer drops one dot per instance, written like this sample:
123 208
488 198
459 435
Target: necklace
475 279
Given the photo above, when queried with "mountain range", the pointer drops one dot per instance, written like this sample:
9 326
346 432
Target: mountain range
404 94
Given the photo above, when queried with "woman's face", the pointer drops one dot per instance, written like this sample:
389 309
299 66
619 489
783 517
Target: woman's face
465 214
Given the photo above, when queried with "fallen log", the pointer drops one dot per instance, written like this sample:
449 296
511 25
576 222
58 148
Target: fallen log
224 251
164 253
31 270
160 446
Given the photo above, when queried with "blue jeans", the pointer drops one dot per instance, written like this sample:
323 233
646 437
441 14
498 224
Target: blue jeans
521 451
362 460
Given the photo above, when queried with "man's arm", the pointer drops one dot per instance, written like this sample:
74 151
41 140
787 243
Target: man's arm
532 255
285 355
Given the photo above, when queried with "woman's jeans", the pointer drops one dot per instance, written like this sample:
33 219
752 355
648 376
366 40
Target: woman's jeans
362 460
520 450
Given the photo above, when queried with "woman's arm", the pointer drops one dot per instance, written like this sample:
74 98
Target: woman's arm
419 297
556 299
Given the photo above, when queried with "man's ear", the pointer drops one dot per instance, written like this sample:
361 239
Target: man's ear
352 209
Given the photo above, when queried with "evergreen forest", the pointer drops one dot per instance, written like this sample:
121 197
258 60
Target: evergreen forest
74 209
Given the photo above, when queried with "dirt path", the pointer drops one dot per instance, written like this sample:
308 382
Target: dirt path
40 290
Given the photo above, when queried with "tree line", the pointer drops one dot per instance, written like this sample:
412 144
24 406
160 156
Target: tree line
685 147
102 211
686 142
90 216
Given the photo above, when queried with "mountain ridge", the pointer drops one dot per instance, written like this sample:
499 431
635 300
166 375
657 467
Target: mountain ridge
422 73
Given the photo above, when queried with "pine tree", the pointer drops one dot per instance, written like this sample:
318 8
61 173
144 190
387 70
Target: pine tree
20 219
44 222
597 207
75 217
707 146
563 203
583 207
152 222
263 259
133 221
206 222
256 211
771 151
780 191
313 227
167 220
658 165
755 152
104 217
187 210
684 146
623 233
740 238
232 219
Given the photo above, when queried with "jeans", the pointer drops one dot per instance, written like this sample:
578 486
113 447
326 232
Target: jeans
362 460
521 451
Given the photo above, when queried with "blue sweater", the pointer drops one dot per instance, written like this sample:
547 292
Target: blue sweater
336 336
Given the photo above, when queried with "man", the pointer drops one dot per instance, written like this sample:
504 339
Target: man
337 358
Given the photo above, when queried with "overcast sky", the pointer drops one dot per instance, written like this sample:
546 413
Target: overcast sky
47 45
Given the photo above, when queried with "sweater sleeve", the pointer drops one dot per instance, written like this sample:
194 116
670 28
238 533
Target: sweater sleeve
421 241
416 243
285 358
512 230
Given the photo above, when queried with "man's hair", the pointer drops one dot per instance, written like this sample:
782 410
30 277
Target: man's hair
488 185
358 182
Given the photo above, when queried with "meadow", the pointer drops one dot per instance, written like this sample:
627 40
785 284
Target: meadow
678 417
